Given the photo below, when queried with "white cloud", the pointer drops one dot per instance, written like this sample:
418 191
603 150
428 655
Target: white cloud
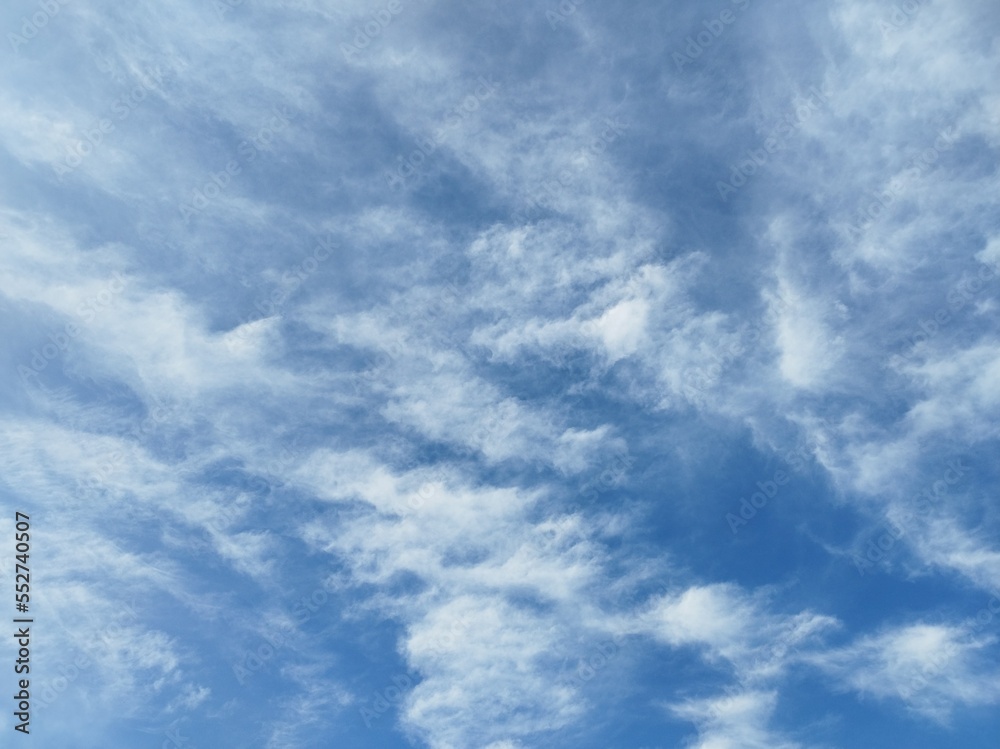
595 286
733 626
738 721
932 669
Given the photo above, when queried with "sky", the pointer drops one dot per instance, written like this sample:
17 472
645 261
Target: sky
502 375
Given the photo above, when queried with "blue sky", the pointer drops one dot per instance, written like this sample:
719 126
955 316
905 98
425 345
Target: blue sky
504 375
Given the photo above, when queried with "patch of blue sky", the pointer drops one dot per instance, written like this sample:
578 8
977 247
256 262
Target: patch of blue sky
427 374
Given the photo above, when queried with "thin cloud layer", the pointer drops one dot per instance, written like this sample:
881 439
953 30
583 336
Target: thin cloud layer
423 374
